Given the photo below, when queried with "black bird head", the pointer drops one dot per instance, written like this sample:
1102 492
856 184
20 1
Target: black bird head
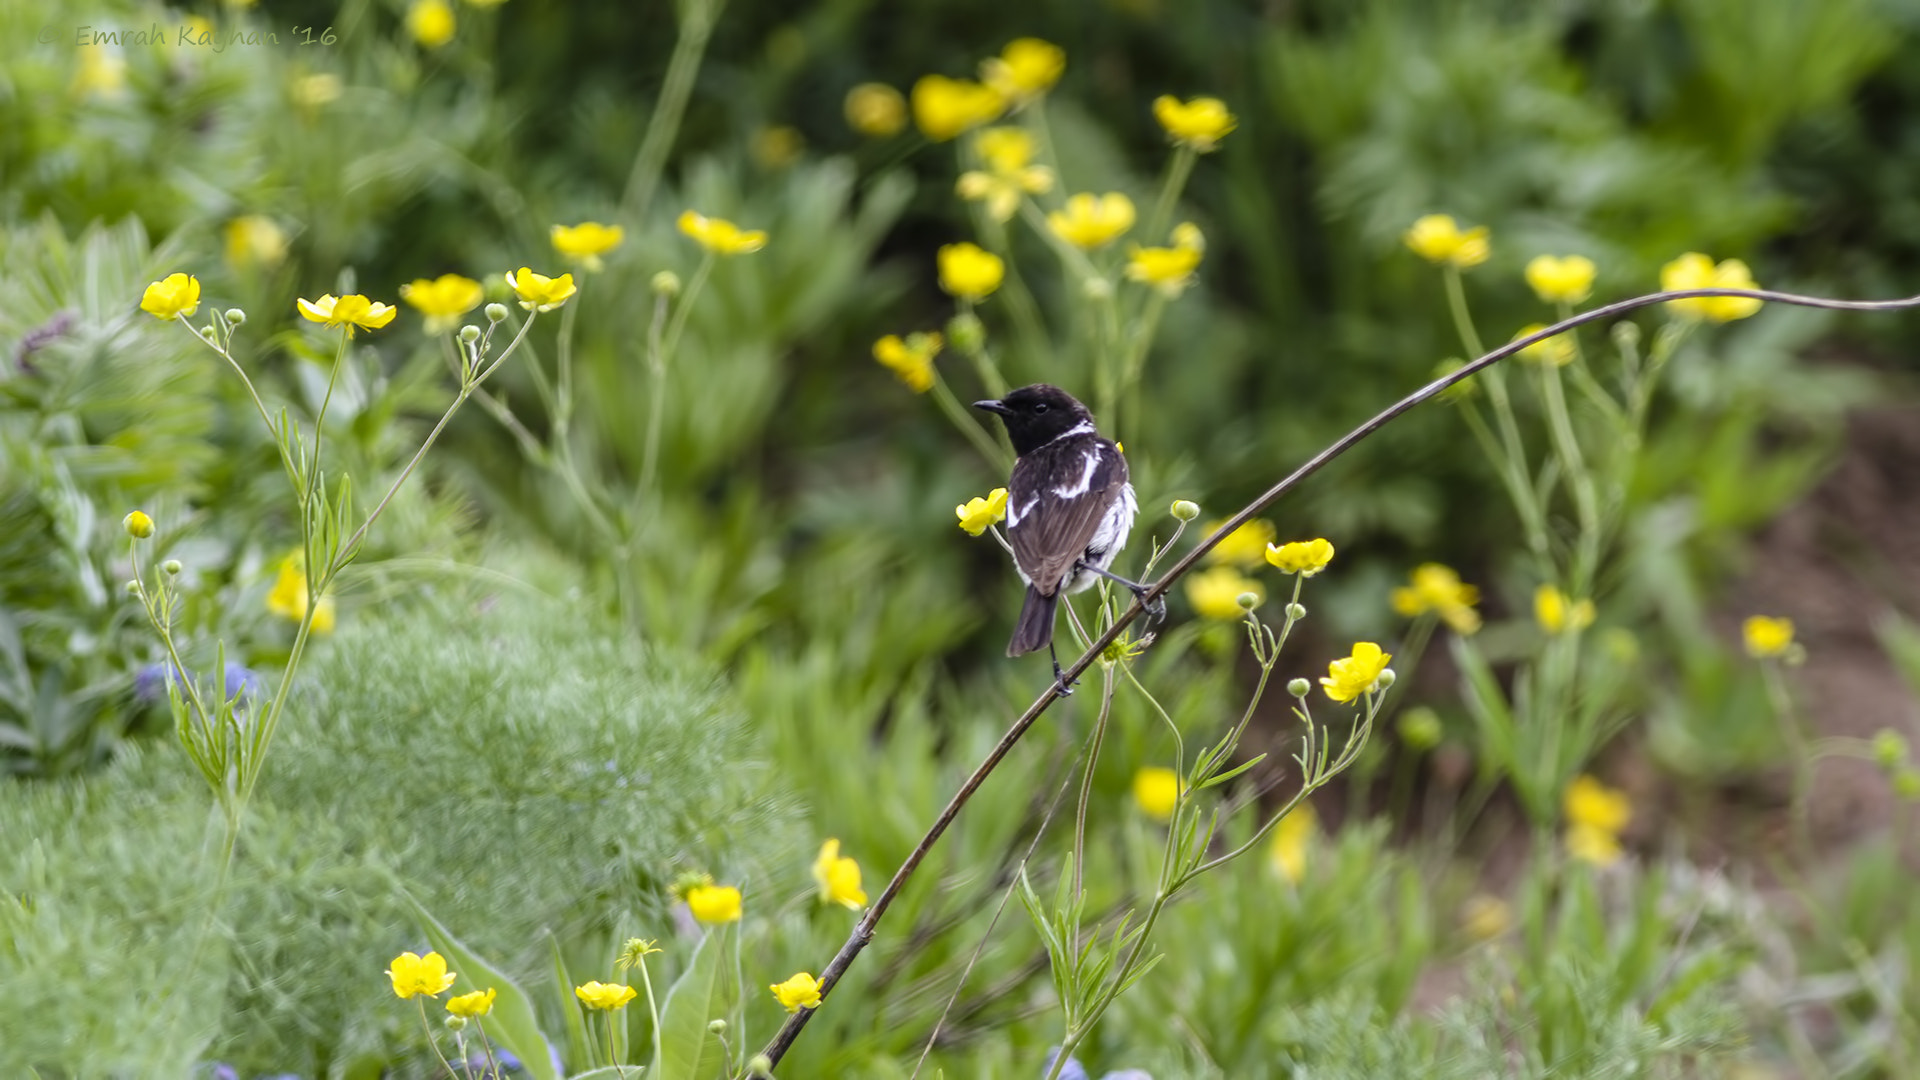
1038 414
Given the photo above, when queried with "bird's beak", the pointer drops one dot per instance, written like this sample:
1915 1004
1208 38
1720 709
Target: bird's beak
993 406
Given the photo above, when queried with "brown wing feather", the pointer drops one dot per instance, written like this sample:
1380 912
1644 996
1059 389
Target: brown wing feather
1050 537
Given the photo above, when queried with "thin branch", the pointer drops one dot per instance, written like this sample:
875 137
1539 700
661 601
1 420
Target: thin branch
863 931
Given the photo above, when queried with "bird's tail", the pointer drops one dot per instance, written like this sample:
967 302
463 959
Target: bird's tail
1034 631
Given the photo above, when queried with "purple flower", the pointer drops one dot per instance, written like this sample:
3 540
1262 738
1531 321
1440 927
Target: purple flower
150 684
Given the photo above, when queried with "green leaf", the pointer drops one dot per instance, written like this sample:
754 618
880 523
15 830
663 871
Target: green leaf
512 1022
685 1049
578 1046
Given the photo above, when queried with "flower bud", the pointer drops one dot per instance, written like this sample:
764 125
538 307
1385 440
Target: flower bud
966 333
236 317
1248 600
1626 334
1906 784
133 588
210 335
1385 680
172 567
455 1023
1185 510
1296 611
139 525
1097 288
496 312
1298 688
469 333
1889 748
1420 728
718 1027
666 283
760 1065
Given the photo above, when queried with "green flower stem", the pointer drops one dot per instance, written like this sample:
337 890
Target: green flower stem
352 547
696 27
661 348
486 1046
1178 170
319 422
997 459
1020 302
286 459
1135 363
1514 456
1086 786
1586 499
460 1047
420 1000
607 1016
653 1007
1800 808
563 391
991 378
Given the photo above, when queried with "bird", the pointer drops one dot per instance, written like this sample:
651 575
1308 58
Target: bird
1069 508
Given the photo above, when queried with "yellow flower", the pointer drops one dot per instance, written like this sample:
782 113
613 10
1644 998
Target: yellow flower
1556 351
1303 557
1025 69
538 292
1215 593
1485 917
443 300
171 297
1156 790
1245 546
1437 238
720 236
350 311
945 108
910 359
102 73
876 110
1351 676
1593 804
604 996
478 1003
255 240
1696 271
1591 845
714 903
313 91
1556 614
430 22
1090 221
1169 269
413 974
1766 636
587 241
1438 588
138 525
288 597
969 272
838 878
1200 123
777 146
800 992
1561 279
1007 152
1291 839
977 513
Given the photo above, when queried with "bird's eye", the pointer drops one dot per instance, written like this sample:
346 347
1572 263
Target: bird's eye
1039 407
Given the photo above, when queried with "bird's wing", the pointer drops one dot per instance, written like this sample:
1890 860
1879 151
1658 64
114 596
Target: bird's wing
1066 491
